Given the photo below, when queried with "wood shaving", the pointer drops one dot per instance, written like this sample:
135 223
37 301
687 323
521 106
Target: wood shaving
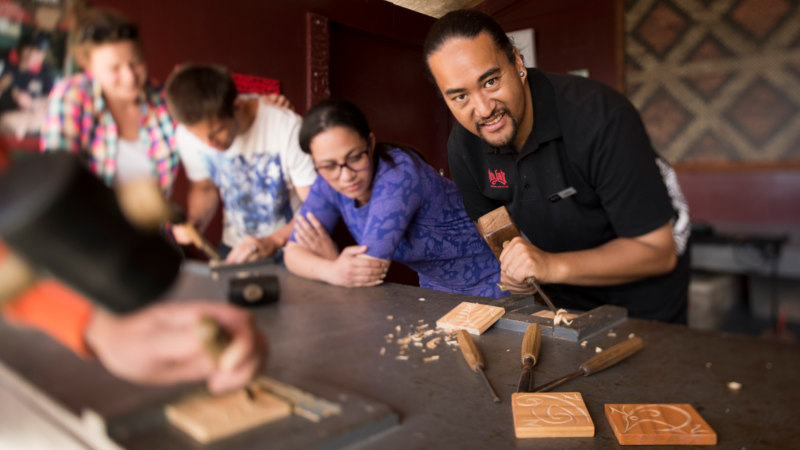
598 349
431 358
418 344
433 343
734 386
421 320
561 317
422 327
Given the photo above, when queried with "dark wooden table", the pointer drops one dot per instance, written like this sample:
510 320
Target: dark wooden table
333 336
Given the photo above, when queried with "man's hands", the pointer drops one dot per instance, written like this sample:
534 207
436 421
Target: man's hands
161 345
252 248
278 100
310 234
519 260
353 268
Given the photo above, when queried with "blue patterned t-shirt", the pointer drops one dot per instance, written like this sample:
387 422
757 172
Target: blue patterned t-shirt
256 175
416 217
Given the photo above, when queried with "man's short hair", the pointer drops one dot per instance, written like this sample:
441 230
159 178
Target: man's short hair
465 23
199 92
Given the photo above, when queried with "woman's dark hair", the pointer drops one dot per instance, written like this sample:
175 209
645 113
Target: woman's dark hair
332 113
465 23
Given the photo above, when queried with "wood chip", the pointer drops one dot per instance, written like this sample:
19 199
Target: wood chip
398 329
431 358
598 349
584 343
422 299
631 336
611 333
390 317
734 386
433 343
383 351
401 357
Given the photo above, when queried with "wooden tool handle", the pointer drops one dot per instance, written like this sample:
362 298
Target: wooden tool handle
532 342
470 351
611 356
200 242
215 339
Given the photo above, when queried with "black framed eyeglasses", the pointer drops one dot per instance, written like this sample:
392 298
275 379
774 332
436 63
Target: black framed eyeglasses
355 162
105 34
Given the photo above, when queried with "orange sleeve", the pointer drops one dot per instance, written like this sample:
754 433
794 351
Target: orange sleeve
56 310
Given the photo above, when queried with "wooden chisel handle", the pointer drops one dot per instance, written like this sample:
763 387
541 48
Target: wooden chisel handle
200 242
611 356
532 342
470 351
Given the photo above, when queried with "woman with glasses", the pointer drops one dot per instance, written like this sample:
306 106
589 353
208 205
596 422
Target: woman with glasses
396 206
110 114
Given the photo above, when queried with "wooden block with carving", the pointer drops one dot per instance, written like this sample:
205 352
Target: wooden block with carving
475 318
551 414
659 424
208 418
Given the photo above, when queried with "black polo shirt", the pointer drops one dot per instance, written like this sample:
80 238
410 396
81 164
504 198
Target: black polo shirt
586 175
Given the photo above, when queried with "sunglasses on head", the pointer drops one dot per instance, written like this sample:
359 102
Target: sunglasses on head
105 34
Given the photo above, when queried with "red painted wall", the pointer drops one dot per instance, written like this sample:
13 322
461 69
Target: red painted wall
256 37
570 34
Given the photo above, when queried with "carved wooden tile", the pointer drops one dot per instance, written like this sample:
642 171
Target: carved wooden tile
208 418
659 424
473 317
552 414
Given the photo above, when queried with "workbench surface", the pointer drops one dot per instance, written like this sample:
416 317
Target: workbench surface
326 335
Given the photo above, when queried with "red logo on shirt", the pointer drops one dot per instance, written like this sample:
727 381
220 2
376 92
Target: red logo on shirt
497 178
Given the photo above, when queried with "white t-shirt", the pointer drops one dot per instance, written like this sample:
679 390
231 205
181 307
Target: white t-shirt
255 175
132 161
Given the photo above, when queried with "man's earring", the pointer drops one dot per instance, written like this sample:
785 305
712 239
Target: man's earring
522 74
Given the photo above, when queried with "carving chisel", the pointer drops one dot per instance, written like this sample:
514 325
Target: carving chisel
531 343
598 362
474 359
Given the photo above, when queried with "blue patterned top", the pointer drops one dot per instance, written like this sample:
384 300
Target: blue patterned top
416 217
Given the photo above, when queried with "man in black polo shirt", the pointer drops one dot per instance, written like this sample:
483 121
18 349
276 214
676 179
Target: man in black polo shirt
604 218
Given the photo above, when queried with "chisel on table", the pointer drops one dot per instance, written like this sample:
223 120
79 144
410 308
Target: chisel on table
531 343
598 362
474 359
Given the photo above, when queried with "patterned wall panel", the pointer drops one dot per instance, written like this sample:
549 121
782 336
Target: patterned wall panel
716 80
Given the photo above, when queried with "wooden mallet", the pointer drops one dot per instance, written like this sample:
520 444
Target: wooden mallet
497 229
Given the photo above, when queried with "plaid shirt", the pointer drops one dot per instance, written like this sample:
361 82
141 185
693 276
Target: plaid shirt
78 121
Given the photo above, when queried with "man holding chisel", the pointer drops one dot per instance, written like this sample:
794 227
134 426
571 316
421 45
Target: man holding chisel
604 218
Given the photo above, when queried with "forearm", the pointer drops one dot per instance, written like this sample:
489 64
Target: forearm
305 263
202 202
618 261
280 237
